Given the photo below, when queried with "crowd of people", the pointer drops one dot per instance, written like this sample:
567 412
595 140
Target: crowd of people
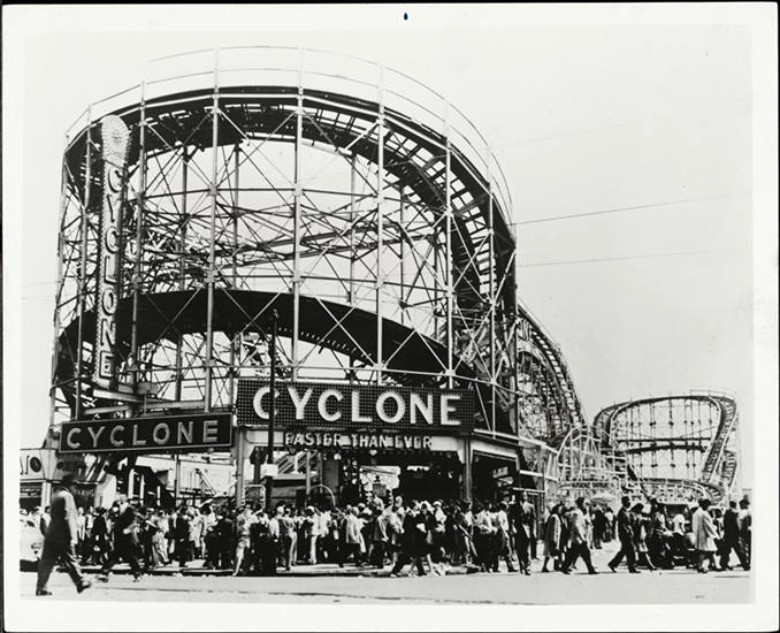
429 537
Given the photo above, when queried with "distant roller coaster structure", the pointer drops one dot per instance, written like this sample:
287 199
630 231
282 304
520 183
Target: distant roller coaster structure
678 446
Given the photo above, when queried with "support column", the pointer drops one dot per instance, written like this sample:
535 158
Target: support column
82 295
240 465
492 308
380 227
56 320
234 281
130 483
402 237
139 223
177 480
297 226
467 483
182 269
351 292
448 242
308 473
212 238
141 487
45 494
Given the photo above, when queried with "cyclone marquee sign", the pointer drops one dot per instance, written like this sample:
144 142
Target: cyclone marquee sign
334 406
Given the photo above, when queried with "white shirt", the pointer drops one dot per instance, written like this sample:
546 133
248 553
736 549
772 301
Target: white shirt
503 521
678 524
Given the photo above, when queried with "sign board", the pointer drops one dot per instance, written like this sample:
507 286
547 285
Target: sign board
255 493
148 435
35 464
301 405
269 470
115 138
378 441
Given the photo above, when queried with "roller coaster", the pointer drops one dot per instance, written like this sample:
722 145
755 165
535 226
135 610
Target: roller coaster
680 447
356 204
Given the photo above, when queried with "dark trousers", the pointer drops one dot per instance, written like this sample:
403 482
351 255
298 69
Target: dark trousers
350 549
213 549
746 544
575 552
627 550
378 554
483 547
522 545
407 556
725 554
127 550
63 553
269 552
286 551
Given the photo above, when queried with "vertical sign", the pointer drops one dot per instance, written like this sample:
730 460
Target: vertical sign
115 137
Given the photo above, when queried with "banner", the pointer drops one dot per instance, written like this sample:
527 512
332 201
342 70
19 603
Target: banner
149 435
337 406
114 137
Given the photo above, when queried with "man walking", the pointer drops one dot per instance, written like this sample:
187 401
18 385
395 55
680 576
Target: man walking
579 539
745 523
413 541
522 519
731 538
59 543
125 540
287 536
625 535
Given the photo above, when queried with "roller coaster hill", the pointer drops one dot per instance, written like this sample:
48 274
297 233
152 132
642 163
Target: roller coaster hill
360 214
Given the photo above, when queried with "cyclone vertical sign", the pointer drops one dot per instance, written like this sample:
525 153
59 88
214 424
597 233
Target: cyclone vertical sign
114 141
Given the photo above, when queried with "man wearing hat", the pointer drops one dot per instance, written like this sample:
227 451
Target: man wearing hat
625 532
59 543
125 540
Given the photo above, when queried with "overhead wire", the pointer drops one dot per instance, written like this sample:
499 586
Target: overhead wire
638 207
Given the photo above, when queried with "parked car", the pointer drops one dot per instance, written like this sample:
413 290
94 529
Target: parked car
31 541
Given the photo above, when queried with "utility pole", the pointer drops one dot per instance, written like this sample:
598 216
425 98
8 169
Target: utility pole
269 480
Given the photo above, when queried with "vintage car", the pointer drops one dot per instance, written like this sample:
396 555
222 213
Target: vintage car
31 541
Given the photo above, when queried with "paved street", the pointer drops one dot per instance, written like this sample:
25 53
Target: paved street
679 586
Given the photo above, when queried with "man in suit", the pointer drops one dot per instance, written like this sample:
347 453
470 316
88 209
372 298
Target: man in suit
522 518
413 541
59 543
626 536
125 540
731 538
745 521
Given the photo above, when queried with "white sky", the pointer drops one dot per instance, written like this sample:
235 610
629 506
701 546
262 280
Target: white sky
588 109
582 118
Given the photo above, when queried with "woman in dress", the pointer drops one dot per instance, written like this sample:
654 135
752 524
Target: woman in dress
640 524
552 539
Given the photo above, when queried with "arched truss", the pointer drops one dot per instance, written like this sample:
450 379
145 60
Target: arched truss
551 407
368 221
676 442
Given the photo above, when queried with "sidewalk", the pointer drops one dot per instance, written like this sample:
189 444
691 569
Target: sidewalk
196 568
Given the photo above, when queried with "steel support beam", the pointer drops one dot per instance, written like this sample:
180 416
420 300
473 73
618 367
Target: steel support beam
82 275
212 238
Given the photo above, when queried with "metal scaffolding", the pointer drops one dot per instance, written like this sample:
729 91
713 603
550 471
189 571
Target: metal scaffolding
361 206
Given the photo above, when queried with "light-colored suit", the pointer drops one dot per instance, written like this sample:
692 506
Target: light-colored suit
704 532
